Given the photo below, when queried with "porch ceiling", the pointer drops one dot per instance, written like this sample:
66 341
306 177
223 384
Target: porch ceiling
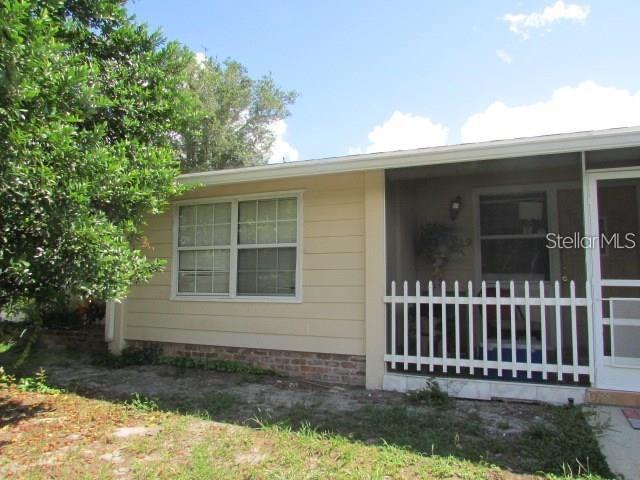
500 166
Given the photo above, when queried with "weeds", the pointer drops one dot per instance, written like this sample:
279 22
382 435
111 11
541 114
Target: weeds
224 366
219 402
151 355
567 440
561 444
142 403
209 406
431 395
38 383
6 379
503 425
130 356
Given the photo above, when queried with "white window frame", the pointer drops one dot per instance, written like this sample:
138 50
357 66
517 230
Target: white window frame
233 296
551 191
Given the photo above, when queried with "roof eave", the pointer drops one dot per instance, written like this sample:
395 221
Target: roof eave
550 144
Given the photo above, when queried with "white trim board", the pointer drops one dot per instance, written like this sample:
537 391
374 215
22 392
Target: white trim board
542 145
477 389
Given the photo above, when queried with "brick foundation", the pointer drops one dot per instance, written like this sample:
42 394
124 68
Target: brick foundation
323 367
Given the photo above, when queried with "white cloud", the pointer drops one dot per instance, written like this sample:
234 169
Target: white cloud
522 23
281 150
504 56
587 106
404 131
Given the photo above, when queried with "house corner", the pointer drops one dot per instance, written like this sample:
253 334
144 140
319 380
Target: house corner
374 278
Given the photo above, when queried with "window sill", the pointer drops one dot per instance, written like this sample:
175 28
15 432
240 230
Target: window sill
256 299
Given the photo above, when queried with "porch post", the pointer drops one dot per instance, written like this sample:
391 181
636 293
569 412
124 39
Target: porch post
375 277
592 268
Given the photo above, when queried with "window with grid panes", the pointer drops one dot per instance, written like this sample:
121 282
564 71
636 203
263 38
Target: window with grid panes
513 230
257 240
204 247
267 247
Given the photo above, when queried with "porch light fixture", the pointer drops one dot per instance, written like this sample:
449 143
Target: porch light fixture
454 207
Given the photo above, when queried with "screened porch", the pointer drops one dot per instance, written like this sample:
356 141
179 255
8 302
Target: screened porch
483 280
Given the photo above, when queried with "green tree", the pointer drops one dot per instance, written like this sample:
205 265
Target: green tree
237 112
89 103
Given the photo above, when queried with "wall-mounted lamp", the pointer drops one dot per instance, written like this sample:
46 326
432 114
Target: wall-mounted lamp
454 207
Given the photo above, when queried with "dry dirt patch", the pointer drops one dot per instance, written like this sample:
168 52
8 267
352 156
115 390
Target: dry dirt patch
177 387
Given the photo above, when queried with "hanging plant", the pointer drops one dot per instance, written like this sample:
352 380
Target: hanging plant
437 243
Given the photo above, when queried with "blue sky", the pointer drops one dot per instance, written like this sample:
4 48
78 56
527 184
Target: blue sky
380 75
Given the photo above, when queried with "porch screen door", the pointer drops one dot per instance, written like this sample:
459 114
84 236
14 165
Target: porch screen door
613 202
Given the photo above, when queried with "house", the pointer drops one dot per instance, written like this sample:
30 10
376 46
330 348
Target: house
313 268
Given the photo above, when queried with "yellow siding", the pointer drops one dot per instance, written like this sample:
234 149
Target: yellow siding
330 319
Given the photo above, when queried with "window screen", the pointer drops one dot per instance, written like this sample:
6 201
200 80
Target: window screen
256 239
204 238
512 236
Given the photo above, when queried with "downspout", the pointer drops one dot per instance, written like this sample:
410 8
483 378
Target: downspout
109 321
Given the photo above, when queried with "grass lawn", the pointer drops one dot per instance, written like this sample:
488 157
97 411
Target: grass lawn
69 436
171 422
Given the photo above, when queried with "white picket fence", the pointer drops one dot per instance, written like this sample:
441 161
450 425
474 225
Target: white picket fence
411 348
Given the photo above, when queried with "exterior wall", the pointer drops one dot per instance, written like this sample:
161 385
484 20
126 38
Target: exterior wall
330 319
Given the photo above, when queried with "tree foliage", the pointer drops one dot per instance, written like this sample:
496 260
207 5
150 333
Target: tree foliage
89 103
237 112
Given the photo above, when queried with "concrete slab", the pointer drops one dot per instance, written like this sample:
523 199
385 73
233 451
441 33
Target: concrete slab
619 442
481 389
633 417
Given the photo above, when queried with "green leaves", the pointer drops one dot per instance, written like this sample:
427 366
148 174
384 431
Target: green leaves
233 125
89 105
